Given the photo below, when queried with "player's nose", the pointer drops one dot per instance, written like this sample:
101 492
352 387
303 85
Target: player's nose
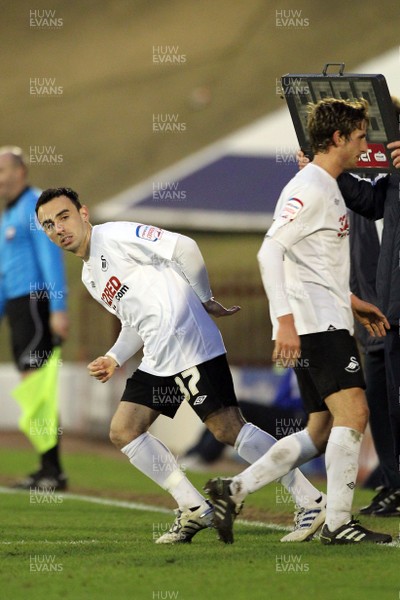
59 227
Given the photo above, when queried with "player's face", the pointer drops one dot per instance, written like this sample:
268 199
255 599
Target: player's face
355 146
65 225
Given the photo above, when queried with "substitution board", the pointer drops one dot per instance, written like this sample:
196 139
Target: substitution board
300 89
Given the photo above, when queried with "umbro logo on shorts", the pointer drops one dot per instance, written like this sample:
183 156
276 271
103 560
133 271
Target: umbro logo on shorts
199 400
351 485
353 365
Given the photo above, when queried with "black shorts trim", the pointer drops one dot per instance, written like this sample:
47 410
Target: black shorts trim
329 362
31 338
207 387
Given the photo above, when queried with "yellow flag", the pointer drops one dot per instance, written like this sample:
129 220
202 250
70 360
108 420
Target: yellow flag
37 396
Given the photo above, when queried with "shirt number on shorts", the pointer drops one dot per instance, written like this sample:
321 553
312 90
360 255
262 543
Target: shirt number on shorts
194 375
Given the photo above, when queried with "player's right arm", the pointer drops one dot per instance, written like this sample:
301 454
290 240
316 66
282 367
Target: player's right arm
298 214
127 344
287 342
102 368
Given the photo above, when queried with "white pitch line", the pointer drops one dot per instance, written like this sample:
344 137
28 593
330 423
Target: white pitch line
56 542
151 508
91 499
262 525
135 506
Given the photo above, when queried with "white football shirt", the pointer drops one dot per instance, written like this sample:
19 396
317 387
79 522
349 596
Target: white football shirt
130 272
311 225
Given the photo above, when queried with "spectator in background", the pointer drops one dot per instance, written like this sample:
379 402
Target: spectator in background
32 290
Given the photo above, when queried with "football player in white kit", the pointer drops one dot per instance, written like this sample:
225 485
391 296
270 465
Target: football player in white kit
156 283
305 264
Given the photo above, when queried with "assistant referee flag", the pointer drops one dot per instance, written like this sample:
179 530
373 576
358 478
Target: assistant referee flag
37 396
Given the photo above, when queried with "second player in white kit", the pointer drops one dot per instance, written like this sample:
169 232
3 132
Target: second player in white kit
305 267
310 231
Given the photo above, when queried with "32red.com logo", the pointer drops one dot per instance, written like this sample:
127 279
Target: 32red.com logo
113 290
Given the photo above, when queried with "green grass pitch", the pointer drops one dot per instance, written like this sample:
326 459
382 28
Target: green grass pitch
61 547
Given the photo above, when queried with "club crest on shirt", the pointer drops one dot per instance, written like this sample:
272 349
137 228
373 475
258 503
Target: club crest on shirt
149 233
291 209
104 263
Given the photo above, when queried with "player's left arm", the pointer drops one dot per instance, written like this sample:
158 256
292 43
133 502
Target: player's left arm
190 260
183 251
370 316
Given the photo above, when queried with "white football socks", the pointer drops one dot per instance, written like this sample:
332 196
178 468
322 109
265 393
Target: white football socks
341 459
282 457
252 443
151 457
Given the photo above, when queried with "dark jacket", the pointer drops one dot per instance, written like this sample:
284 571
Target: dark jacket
374 202
364 252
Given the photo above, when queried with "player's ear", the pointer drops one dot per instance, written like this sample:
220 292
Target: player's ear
337 138
84 211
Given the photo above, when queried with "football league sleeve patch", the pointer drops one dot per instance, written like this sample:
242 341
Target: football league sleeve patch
154 240
149 233
290 210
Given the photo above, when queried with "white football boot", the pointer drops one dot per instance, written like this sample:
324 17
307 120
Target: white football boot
307 522
187 523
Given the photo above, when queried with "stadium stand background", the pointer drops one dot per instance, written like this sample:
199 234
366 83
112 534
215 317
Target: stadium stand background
100 57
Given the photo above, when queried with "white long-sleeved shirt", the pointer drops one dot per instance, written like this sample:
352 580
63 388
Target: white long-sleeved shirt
154 281
304 259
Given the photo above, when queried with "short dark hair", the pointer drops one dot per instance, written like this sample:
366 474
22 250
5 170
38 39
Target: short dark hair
52 193
330 115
